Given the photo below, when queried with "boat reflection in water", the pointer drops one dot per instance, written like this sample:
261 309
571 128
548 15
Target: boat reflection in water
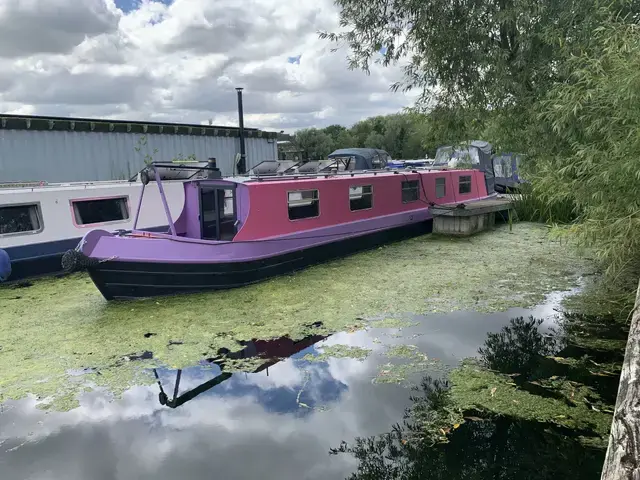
273 352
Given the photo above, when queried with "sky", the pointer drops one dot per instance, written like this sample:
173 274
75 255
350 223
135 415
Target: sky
180 60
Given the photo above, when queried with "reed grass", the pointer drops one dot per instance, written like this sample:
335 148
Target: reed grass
531 206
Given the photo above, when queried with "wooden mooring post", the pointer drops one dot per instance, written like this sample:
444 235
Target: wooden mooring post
623 455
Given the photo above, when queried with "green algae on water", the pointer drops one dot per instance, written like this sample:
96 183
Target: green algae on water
62 325
338 351
574 406
405 351
407 363
395 323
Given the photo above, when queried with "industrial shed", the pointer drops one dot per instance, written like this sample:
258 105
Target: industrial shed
50 149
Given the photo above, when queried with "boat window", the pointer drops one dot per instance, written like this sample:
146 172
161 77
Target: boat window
360 197
464 184
89 212
441 187
20 219
410 191
303 204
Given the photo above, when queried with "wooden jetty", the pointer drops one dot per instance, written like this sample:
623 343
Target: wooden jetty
622 461
470 218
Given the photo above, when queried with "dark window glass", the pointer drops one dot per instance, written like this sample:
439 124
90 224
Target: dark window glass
465 184
410 192
360 197
20 219
441 187
88 212
303 204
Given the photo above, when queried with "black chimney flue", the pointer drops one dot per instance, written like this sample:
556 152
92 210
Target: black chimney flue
242 164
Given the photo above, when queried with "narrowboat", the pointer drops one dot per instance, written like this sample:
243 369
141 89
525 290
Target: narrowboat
40 221
235 231
506 168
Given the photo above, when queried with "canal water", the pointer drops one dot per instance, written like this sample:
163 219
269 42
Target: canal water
344 370
279 422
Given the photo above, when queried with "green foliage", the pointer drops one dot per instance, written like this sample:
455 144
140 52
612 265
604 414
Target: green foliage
142 146
402 135
314 143
555 79
476 52
597 117
531 206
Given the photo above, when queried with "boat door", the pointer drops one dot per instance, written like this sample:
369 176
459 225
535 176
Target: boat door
218 212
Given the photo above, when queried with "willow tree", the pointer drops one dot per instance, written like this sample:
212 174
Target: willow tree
597 113
483 55
555 79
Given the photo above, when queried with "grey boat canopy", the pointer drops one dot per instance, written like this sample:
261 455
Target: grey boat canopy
349 159
365 158
471 154
505 168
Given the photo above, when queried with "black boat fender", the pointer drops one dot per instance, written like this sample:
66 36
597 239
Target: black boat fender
74 260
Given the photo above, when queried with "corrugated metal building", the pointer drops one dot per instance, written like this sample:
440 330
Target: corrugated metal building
34 148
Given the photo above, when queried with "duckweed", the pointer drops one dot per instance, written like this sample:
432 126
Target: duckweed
63 325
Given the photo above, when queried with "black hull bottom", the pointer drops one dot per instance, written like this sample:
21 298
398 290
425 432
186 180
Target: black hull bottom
134 280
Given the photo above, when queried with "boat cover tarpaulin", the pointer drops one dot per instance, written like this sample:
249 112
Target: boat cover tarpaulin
505 168
476 152
366 158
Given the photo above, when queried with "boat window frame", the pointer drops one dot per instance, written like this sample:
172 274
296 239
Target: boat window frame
39 215
370 194
443 185
74 218
403 189
317 199
468 180
234 188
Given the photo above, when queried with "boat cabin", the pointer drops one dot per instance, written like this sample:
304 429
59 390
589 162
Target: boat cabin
252 208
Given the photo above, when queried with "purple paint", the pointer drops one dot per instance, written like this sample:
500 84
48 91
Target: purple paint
243 204
169 249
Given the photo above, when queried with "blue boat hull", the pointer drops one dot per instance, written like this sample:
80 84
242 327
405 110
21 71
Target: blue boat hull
38 259
41 259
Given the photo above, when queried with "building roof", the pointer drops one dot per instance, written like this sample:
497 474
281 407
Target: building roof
36 122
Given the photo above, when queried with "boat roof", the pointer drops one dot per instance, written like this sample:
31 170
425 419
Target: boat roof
17 187
249 179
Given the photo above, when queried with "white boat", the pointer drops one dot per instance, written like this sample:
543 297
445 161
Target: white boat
39 222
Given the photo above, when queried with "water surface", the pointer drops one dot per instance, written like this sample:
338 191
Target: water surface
278 422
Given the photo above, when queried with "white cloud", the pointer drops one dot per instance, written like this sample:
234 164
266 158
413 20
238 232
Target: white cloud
180 61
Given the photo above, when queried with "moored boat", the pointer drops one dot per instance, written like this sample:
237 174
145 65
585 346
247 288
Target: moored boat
234 231
40 221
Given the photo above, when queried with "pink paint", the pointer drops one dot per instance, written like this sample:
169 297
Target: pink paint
268 213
